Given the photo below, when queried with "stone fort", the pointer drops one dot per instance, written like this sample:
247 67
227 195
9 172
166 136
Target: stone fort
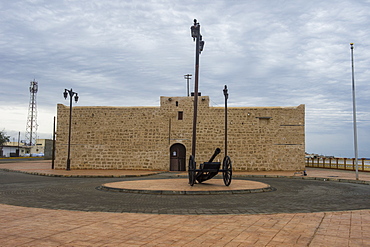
159 138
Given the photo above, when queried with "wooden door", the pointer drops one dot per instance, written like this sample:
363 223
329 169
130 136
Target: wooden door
177 157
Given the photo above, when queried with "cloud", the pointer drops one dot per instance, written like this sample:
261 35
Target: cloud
132 52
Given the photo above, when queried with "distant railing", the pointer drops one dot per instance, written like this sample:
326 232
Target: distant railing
339 163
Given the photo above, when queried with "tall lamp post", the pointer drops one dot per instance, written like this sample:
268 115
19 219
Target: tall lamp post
71 94
226 94
354 112
195 33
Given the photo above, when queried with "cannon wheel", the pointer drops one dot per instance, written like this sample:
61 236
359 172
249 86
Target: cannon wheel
227 170
191 170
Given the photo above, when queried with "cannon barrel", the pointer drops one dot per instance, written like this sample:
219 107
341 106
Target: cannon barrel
217 151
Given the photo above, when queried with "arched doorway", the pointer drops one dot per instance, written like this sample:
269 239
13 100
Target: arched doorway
177 157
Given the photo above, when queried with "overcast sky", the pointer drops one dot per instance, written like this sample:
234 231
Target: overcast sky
129 53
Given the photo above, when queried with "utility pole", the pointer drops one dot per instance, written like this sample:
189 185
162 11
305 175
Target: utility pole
188 77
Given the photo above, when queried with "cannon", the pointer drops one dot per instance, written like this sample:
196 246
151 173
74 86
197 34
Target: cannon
209 169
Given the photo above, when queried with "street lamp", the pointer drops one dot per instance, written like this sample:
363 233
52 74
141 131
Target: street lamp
71 94
354 112
226 94
195 33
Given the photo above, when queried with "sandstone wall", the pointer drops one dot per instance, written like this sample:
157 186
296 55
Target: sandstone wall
259 138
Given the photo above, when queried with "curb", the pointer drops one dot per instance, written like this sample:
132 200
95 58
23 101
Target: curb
342 180
184 192
77 176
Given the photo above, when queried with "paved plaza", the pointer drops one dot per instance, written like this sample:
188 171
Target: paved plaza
69 208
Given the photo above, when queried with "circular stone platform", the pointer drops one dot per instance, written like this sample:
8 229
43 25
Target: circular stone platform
181 186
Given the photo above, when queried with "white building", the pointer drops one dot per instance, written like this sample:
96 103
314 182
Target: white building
15 149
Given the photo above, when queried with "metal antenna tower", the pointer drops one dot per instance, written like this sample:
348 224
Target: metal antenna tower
31 128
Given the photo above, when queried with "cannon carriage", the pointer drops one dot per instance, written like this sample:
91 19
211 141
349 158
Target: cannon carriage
208 170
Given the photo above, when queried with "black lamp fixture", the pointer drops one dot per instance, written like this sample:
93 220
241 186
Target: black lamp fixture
195 30
71 93
201 44
195 33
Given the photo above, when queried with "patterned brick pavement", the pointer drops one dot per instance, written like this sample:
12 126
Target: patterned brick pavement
25 226
20 226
